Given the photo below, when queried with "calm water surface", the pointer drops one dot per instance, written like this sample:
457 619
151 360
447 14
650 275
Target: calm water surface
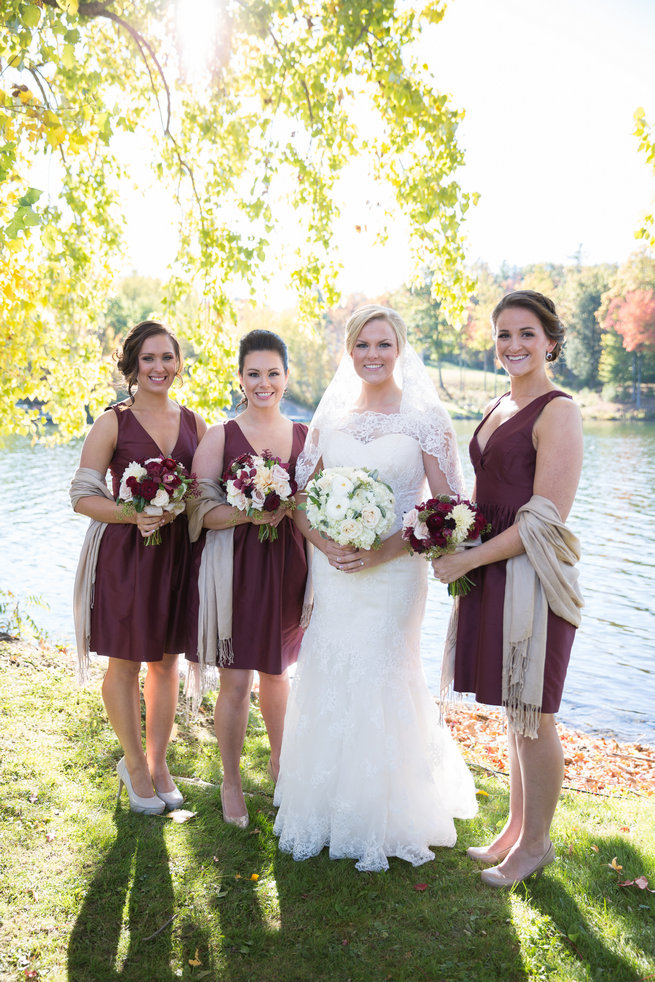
610 687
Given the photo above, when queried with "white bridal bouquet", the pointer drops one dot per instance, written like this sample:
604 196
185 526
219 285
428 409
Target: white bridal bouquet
350 505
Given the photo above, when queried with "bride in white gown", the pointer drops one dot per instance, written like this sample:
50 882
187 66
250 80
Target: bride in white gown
366 766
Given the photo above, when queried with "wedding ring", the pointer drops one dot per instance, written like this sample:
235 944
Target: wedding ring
361 562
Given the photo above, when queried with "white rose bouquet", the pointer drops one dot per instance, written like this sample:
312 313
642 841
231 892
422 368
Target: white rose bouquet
350 505
158 485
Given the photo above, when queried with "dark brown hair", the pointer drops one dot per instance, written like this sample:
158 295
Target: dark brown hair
542 307
127 356
259 340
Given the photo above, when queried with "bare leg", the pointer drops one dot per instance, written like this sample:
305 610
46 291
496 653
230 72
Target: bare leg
273 695
160 691
120 693
230 722
512 828
542 771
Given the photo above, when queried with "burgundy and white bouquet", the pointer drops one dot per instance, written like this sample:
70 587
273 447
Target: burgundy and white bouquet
350 505
158 485
258 483
443 525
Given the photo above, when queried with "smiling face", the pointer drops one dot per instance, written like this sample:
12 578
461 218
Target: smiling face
375 352
263 378
521 342
157 364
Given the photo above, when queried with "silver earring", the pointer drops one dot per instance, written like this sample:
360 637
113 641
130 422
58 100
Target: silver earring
549 356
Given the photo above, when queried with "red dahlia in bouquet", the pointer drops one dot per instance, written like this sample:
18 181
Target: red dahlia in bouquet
259 483
442 525
158 485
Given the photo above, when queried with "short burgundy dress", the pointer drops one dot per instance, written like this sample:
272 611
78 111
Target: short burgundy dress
139 605
504 473
268 580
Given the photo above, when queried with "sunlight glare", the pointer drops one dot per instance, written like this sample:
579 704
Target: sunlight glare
197 24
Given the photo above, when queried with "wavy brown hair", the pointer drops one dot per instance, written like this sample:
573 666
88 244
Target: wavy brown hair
542 307
127 356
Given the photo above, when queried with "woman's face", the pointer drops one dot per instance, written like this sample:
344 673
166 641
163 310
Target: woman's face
263 378
521 342
157 364
375 352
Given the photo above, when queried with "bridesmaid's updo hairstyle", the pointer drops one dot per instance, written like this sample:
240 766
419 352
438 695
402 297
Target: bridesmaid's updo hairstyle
260 340
542 307
371 312
127 356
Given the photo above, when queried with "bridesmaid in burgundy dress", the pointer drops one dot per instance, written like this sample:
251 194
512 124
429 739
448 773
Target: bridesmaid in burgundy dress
528 443
268 578
139 599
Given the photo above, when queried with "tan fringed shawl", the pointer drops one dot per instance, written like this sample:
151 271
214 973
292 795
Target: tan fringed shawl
543 577
215 593
86 483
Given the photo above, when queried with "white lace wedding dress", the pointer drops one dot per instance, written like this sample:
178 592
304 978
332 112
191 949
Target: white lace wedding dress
366 767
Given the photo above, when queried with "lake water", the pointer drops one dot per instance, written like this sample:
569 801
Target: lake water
610 687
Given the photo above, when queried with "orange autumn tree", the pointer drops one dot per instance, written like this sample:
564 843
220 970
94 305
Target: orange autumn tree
633 318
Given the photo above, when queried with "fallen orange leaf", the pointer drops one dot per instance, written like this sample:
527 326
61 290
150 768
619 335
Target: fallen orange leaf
254 876
615 865
196 960
595 848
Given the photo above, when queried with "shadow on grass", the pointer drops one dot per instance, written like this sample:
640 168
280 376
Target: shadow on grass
128 900
428 923
579 931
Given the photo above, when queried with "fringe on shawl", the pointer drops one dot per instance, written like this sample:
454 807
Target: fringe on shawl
523 718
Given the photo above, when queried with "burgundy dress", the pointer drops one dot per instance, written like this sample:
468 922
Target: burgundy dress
504 473
139 605
268 580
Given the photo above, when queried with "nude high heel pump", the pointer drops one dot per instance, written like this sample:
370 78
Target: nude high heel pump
482 854
172 799
494 878
144 806
241 821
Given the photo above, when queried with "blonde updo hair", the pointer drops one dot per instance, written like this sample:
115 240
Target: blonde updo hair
370 312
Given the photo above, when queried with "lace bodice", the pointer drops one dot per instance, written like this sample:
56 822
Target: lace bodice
397 458
429 432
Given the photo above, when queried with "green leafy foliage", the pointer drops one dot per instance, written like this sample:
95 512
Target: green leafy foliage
291 95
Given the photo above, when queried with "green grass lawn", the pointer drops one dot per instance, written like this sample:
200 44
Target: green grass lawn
91 892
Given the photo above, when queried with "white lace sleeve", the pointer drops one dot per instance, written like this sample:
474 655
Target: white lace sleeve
308 458
435 433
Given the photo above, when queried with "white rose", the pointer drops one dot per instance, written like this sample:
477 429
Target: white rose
279 474
350 531
153 510
336 508
161 498
257 499
341 485
237 499
421 531
410 518
371 515
133 469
